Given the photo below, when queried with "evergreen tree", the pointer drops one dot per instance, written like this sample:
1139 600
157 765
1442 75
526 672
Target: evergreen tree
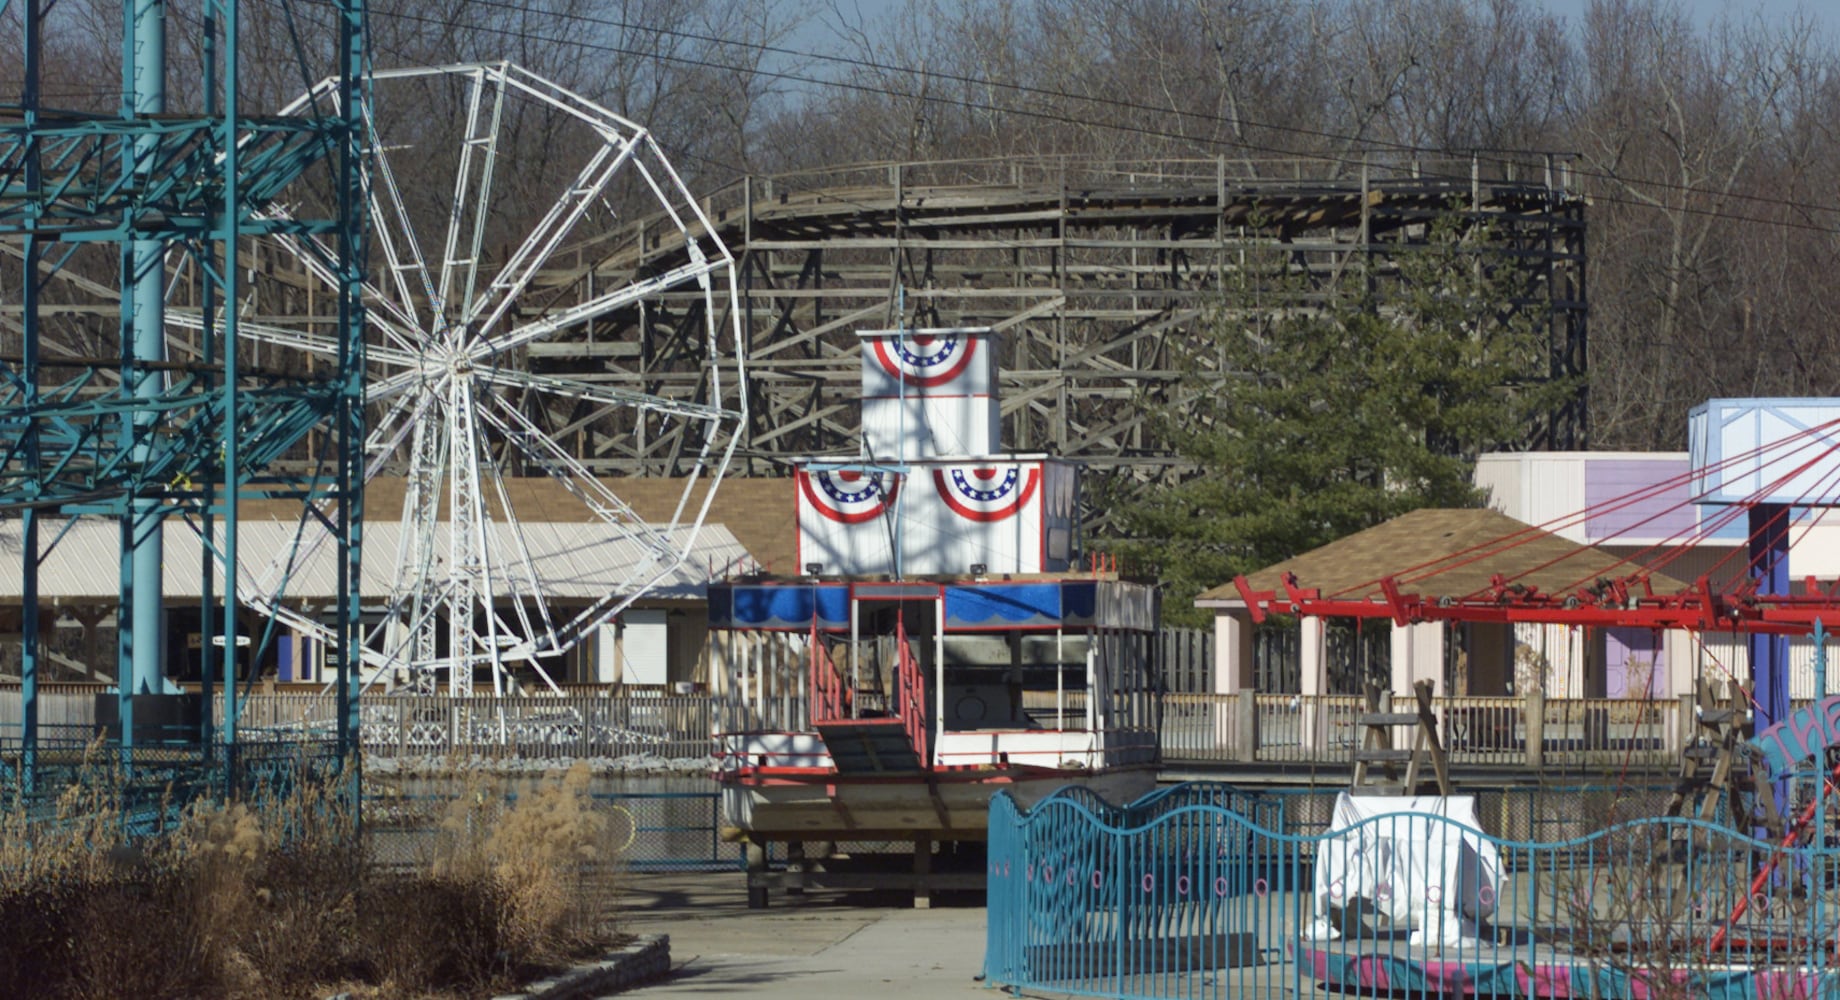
1306 425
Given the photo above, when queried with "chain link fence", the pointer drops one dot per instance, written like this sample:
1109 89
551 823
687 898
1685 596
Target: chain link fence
635 831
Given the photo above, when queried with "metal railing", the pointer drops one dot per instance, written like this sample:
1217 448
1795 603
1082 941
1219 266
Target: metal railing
1534 732
1197 894
671 726
1240 727
147 789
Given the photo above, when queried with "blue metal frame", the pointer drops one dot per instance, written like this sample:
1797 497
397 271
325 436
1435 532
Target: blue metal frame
1182 895
151 795
178 439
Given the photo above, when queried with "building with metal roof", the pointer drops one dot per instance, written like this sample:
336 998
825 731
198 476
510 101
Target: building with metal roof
658 641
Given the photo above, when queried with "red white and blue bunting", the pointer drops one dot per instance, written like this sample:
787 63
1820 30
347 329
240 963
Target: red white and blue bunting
986 493
850 496
925 360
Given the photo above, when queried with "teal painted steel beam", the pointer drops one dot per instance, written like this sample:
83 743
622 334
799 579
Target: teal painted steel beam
28 439
232 442
349 422
131 435
109 177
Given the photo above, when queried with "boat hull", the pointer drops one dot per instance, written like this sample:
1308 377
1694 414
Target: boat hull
765 804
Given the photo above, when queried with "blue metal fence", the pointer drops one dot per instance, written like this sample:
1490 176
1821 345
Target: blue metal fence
148 787
1193 892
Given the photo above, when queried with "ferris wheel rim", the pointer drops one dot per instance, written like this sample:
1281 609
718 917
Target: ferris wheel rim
428 356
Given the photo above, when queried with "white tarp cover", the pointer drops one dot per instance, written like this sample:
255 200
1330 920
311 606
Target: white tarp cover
1414 860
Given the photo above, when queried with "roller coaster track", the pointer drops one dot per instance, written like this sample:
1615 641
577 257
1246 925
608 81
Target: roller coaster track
1097 275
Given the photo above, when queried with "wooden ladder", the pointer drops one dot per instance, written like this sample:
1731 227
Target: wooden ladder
1713 764
1377 747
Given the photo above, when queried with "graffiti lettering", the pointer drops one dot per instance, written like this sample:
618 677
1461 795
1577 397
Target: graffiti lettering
1799 736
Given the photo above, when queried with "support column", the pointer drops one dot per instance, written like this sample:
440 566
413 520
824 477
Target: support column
756 853
923 871
1233 673
1680 656
1577 664
795 863
1314 677
144 341
1769 562
1418 654
30 640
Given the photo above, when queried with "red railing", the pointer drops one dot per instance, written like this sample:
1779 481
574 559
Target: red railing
912 688
827 683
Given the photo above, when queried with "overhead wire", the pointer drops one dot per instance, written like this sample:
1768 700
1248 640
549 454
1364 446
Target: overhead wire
1490 155
1495 546
1495 155
1340 159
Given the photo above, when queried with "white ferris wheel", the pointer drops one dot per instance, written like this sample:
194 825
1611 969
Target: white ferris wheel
453 405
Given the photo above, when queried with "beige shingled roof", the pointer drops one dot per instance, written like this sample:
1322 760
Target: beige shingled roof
1438 552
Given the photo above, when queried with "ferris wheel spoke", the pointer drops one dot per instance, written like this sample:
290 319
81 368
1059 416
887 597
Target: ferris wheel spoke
542 451
472 190
606 395
524 566
326 90
400 267
320 344
674 198
314 255
697 269
537 248
387 431
572 631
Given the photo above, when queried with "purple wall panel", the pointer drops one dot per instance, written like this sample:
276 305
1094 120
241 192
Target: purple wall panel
1630 656
1664 514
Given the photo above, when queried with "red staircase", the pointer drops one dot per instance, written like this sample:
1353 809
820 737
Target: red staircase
894 744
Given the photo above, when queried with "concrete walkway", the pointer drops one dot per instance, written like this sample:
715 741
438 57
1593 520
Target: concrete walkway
825 945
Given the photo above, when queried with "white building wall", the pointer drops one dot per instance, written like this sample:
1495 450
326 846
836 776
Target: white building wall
1542 489
1537 487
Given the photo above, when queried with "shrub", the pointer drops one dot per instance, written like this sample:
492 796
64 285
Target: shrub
273 897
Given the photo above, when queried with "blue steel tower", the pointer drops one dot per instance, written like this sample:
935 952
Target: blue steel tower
134 432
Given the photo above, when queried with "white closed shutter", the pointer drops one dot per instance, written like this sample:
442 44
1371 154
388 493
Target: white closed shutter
643 643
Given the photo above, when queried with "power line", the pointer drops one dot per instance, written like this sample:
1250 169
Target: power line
1501 156
1485 155
1806 208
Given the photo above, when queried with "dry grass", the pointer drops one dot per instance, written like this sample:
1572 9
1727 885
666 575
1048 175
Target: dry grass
544 850
275 898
